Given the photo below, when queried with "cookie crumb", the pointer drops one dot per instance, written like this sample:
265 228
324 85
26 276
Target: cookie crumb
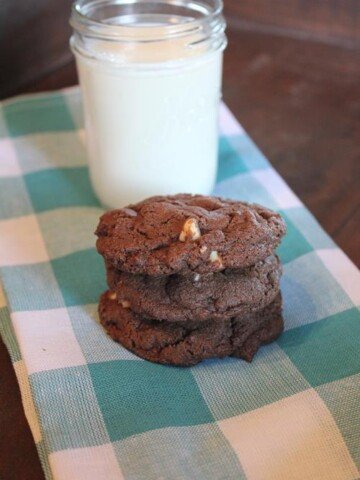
125 304
203 249
190 231
215 258
112 296
196 277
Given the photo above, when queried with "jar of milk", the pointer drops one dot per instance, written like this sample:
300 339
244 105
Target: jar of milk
150 73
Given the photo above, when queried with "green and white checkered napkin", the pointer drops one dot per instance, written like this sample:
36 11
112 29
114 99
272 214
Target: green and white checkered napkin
98 412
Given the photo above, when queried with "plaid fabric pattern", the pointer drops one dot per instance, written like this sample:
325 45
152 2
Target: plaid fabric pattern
97 411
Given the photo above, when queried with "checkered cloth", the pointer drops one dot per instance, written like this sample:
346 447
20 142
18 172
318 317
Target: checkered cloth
97 411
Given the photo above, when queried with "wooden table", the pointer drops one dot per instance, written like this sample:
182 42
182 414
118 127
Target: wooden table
300 102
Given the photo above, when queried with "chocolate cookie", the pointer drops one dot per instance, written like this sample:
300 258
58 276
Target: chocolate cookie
186 233
196 297
174 344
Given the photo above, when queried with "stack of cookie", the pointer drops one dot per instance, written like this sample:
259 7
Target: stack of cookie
191 277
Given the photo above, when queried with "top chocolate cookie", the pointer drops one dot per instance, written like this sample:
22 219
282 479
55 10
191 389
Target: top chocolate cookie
187 233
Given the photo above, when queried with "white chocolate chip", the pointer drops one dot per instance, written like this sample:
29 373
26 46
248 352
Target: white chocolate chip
190 230
112 296
215 258
203 249
125 304
196 277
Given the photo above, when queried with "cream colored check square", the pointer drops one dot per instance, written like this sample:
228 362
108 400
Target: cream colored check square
295 438
21 242
343 270
47 340
278 189
228 123
90 463
9 165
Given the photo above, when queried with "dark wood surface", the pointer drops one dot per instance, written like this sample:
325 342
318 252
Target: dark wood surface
300 102
34 41
335 21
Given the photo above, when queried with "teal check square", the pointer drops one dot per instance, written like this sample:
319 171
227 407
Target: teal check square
69 413
252 158
81 277
39 114
32 287
230 163
294 244
136 396
327 350
14 198
63 187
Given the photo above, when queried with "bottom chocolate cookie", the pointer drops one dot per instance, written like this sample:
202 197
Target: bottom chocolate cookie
169 343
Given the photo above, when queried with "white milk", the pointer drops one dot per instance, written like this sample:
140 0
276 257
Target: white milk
151 132
151 111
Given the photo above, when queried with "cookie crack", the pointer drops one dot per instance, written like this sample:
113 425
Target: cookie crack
186 335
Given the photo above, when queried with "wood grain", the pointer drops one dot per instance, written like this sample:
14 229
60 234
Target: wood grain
300 102
327 20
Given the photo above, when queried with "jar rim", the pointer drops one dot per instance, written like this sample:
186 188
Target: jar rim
209 17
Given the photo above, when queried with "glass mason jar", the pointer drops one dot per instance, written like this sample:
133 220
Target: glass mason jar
150 74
